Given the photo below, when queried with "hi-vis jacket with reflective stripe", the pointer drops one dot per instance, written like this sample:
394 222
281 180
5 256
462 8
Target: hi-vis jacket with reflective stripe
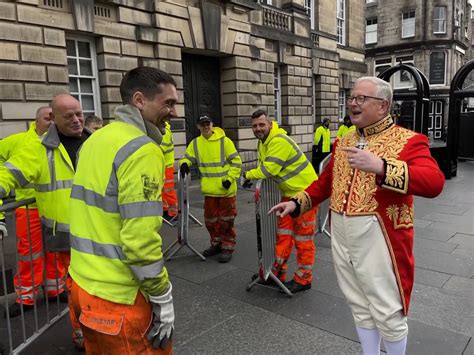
44 162
322 137
280 158
217 160
167 146
8 146
116 211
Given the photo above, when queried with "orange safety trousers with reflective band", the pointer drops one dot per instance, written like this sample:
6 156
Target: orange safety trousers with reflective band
77 335
219 216
30 271
300 232
170 200
114 328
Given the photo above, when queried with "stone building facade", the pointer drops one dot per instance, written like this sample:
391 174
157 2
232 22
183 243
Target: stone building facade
432 35
295 58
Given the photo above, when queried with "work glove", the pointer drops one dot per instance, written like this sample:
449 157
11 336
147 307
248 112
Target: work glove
184 169
226 184
3 230
163 320
244 182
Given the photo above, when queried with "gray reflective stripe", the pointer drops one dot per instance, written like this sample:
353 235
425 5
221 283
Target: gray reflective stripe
192 159
289 140
224 173
28 257
164 144
303 238
293 173
228 218
279 260
53 186
166 151
227 247
305 266
211 220
149 271
265 171
308 224
284 231
196 154
50 223
275 160
141 209
221 163
3 193
92 198
293 160
237 165
232 156
16 173
88 246
217 164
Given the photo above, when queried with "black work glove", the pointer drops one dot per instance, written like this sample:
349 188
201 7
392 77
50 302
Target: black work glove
247 184
226 184
183 170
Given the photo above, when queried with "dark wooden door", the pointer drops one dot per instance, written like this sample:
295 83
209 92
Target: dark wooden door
202 92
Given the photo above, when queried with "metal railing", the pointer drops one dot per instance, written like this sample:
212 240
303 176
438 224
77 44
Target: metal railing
21 330
323 213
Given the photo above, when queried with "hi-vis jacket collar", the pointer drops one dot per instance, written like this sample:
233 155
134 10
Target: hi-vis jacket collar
130 114
51 137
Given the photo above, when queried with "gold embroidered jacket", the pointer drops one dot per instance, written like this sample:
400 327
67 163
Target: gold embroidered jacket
409 170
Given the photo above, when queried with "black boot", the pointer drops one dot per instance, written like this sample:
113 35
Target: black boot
295 287
212 250
15 310
225 257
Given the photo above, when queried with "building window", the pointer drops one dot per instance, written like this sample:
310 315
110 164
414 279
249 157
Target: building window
277 92
408 24
83 83
439 19
342 105
341 22
265 2
371 31
437 68
370 1
382 64
308 6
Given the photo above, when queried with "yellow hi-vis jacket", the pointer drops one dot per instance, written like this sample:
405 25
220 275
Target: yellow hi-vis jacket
8 146
167 146
280 158
44 163
116 211
322 136
343 130
217 160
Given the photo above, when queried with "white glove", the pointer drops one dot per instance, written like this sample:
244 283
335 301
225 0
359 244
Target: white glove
163 321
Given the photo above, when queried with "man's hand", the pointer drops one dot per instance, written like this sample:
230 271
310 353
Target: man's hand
283 208
163 320
364 160
226 184
183 170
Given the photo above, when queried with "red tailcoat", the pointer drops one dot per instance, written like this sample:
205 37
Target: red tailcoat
409 170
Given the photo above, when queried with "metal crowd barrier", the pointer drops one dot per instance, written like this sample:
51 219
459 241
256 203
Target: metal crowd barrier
323 213
183 220
267 195
249 158
19 332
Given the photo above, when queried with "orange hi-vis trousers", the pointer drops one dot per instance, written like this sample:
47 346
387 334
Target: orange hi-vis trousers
30 270
219 216
300 232
114 328
77 334
170 200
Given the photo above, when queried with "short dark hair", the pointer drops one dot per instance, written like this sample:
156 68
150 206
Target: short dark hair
90 119
148 80
347 117
258 113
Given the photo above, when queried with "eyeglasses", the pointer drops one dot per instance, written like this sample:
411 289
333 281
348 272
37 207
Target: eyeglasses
360 99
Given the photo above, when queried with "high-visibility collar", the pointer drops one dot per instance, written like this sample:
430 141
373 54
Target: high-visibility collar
132 115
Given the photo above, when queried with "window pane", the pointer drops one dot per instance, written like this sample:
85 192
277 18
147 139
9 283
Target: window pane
72 66
87 103
73 87
86 86
84 49
85 67
70 48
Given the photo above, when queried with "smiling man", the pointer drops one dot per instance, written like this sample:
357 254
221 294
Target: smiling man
371 179
121 291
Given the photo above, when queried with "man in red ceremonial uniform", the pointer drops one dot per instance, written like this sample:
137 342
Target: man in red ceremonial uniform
371 179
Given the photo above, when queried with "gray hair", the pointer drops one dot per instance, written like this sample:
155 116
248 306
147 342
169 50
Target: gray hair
384 89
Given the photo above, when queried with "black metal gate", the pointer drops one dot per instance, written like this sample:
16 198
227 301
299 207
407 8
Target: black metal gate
201 84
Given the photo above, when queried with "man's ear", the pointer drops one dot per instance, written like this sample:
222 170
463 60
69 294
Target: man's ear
138 100
51 115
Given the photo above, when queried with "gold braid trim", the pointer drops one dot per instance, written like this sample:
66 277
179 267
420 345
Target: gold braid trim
396 176
304 201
